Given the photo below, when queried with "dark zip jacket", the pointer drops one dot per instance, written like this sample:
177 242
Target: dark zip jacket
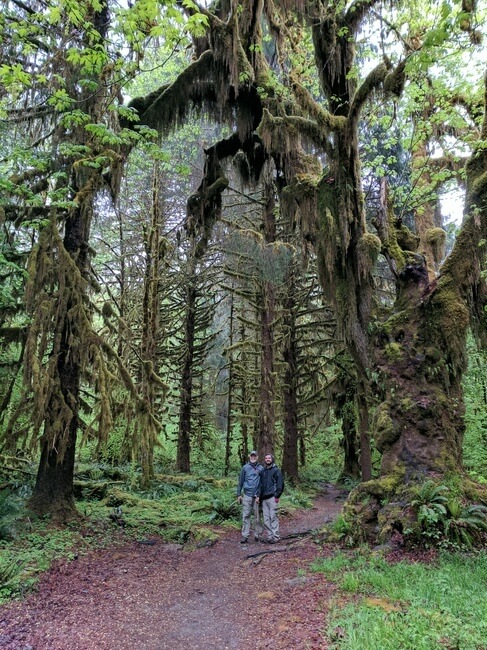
271 482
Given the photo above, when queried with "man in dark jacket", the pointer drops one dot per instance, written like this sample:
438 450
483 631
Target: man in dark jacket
271 488
249 482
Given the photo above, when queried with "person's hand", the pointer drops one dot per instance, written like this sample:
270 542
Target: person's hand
257 498
239 499
276 499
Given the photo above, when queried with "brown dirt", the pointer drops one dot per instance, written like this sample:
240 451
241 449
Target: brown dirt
164 596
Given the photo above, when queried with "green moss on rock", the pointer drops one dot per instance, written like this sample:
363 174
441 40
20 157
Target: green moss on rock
386 429
393 352
406 239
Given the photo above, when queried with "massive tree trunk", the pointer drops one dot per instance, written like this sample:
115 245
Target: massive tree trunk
421 354
61 342
53 490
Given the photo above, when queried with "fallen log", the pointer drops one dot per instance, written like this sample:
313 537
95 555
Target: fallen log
271 550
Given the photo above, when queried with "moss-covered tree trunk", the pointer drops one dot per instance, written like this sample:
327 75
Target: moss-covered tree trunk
346 251
267 316
421 354
183 462
230 387
154 252
53 490
61 343
344 391
290 399
243 400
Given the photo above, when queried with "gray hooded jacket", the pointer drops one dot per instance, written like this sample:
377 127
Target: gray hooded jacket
249 479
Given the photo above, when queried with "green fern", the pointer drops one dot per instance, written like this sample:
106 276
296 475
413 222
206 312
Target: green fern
223 511
465 523
8 571
10 511
430 504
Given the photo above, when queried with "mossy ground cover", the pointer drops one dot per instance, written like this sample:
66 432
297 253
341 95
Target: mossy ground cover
176 508
410 605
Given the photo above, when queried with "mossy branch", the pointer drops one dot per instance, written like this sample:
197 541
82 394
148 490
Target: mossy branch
373 80
324 118
279 133
357 12
169 106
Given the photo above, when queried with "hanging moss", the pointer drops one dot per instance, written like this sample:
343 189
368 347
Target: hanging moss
436 238
169 105
368 249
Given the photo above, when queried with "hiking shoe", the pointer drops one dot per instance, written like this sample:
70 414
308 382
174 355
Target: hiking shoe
257 538
244 540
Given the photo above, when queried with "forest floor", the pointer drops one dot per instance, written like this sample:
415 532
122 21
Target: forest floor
154 595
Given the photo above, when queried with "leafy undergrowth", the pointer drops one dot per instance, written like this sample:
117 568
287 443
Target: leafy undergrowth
420 601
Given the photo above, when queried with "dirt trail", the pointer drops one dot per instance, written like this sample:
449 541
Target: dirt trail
163 597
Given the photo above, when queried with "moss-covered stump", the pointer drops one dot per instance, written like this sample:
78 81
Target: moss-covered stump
426 509
377 508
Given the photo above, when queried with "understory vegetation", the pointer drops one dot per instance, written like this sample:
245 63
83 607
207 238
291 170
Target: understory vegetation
194 509
436 602
183 509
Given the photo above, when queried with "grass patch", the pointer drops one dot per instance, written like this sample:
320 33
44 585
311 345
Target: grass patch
407 605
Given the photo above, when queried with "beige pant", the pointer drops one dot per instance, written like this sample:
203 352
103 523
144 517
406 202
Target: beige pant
271 522
250 507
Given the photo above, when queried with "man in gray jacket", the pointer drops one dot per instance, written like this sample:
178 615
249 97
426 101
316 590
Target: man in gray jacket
249 482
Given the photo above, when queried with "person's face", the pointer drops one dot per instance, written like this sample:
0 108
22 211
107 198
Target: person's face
268 460
253 458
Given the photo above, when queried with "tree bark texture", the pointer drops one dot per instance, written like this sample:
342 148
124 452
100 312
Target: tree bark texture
290 399
267 418
183 462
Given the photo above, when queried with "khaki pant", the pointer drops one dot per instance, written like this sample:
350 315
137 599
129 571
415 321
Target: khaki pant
250 506
271 522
